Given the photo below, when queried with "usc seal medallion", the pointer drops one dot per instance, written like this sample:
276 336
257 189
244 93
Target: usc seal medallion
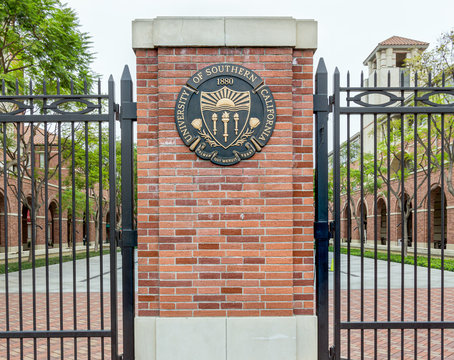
225 113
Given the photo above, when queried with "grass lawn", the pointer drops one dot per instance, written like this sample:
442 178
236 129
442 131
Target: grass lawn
435 263
14 266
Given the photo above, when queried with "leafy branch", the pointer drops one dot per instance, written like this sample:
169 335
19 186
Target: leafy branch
208 138
243 138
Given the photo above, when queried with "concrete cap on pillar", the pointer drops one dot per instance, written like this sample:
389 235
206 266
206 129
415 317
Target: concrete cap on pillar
224 31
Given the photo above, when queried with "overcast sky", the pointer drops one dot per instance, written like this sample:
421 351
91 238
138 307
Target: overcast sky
348 30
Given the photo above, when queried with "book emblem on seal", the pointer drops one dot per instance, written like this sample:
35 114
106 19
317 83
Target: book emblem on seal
225 113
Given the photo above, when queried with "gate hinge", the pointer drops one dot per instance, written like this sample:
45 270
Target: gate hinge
128 111
324 230
128 238
117 111
331 101
332 352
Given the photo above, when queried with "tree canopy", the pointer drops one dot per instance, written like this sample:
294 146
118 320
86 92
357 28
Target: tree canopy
41 39
407 145
438 60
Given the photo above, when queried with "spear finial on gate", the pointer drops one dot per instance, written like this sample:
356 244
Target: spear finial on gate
126 85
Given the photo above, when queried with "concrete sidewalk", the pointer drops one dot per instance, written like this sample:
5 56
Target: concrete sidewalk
95 271
422 274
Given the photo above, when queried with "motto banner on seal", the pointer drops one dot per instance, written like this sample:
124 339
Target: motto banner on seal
225 113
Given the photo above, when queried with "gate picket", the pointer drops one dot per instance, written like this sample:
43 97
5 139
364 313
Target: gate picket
60 174
386 169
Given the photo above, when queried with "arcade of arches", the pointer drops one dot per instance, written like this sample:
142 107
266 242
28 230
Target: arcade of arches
57 228
384 223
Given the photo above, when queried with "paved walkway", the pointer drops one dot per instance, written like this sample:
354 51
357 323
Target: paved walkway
59 308
95 349
401 344
95 271
422 275
372 349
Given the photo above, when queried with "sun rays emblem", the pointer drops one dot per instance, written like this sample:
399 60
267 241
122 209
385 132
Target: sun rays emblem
225 114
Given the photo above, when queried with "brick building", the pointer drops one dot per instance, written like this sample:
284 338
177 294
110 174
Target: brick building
385 65
18 195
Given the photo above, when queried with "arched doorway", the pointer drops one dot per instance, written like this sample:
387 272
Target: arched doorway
107 227
52 223
69 232
346 231
26 227
84 229
2 219
438 217
382 221
362 205
408 206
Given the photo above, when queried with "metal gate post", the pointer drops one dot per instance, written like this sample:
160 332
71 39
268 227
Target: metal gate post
336 201
112 220
321 230
128 114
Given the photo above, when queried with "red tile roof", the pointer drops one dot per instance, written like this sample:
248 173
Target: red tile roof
398 42
401 41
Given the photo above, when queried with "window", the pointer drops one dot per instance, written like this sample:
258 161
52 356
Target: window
41 160
400 59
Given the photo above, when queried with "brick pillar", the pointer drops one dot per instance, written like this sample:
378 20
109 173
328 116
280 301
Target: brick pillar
226 265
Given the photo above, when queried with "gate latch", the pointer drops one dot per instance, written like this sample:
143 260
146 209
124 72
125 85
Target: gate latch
128 238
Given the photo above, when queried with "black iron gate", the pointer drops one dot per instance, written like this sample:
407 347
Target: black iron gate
384 179
66 212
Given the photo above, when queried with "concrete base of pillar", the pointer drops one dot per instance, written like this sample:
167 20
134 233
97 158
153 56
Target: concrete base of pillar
226 338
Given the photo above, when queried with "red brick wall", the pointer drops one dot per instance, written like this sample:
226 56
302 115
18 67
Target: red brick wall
225 241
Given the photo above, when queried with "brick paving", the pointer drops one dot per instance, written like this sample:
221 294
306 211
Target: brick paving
98 349
380 351
397 351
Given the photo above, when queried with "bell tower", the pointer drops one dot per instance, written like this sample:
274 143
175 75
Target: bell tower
389 57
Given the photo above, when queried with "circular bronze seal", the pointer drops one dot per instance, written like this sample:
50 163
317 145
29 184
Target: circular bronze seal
225 113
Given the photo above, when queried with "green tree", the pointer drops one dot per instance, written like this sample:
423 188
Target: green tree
398 150
422 135
374 172
41 40
435 136
414 141
91 149
438 61
350 178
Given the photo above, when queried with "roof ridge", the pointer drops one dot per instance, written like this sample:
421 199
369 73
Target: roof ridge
400 40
